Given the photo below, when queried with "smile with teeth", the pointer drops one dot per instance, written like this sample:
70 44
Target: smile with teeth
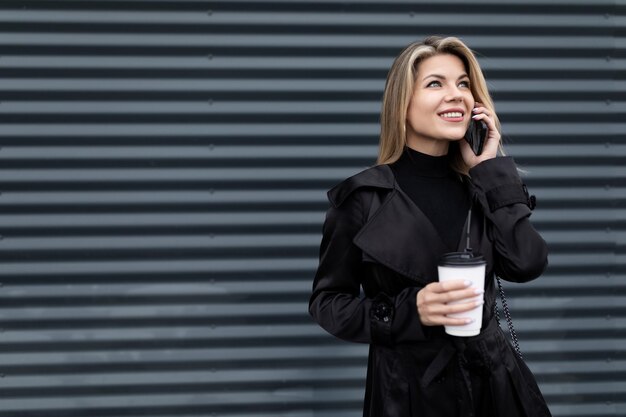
452 115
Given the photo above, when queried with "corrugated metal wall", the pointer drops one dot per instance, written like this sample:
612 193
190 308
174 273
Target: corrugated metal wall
163 169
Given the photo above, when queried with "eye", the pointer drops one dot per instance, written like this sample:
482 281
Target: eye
465 83
432 83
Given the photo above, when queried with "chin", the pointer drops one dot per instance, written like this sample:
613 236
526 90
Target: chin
453 138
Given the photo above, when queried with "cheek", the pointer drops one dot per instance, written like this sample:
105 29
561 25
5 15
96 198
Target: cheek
413 111
419 106
470 100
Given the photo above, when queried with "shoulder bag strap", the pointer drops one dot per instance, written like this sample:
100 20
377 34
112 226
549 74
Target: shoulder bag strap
507 315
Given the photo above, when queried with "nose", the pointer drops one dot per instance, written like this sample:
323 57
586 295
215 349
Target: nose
454 94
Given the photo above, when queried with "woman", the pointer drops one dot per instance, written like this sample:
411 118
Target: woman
388 226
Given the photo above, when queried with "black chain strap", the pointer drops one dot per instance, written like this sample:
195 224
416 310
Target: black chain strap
507 315
505 306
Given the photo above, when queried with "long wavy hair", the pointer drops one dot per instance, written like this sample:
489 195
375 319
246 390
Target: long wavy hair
399 89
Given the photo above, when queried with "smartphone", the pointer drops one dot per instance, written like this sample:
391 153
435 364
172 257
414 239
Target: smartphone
476 135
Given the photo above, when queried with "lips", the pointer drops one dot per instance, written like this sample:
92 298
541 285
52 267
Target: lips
452 115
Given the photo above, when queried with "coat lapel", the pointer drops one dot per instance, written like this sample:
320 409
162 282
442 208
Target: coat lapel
398 234
401 237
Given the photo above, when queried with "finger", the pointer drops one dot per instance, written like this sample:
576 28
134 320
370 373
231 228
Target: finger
464 294
451 321
481 116
443 296
453 295
486 119
462 307
444 309
445 286
481 110
449 298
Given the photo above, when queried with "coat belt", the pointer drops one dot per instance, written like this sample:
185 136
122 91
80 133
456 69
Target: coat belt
455 348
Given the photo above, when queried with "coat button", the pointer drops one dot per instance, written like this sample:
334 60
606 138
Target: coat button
382 312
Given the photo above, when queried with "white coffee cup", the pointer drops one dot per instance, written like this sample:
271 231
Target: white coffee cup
465 266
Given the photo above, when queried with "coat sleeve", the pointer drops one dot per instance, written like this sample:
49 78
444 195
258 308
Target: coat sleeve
521 254
336 304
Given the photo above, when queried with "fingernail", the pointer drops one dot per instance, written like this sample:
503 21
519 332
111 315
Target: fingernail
479 291
474 109
467 283
475 116
468 321
479 303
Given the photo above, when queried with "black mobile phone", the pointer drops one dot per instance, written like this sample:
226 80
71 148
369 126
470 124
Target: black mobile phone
476 135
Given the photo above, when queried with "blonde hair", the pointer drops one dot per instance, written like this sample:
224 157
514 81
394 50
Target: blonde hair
399 89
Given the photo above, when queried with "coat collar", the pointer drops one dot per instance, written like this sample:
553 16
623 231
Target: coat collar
398 234
379 176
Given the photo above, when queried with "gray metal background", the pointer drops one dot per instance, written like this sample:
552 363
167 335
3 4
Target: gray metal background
163 169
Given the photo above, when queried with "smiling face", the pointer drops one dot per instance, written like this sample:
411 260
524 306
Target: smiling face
441 105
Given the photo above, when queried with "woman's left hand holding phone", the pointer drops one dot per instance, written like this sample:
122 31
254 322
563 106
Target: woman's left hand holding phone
490 148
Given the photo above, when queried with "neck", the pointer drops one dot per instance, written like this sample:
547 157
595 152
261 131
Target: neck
415 163
428 147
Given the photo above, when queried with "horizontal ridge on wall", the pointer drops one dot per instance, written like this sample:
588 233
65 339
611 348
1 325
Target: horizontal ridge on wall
163 177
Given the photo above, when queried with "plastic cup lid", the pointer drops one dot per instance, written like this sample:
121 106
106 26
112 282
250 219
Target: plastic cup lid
460 259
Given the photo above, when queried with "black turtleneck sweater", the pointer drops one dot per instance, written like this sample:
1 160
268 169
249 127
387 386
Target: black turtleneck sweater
437 190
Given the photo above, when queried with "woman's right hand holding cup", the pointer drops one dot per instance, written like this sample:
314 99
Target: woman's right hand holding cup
434 302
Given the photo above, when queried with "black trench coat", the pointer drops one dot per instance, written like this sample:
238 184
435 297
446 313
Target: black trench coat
376 238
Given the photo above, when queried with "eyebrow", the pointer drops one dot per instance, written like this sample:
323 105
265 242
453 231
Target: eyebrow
441 77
